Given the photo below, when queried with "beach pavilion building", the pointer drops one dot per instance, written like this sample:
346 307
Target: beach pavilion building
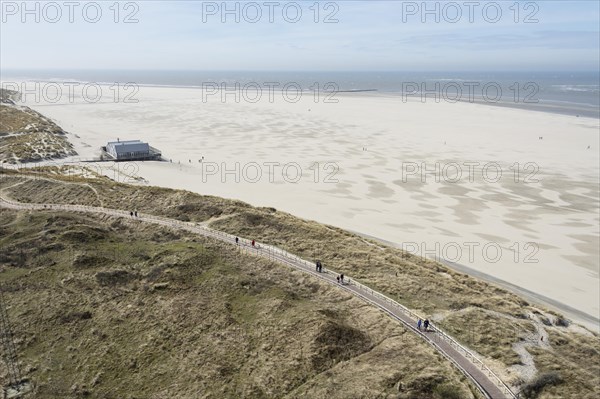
130 150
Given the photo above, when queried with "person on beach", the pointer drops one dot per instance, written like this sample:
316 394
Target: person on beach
426 324
419 324
237 240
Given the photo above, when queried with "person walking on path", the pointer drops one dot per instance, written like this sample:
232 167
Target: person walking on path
253 243
317 266
426 324
419 324
131 214
342 278
135 213
237 240
338 279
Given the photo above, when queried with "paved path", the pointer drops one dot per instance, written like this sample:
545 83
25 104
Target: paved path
470 365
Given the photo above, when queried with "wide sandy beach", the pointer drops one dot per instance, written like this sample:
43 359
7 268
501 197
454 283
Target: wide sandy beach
509 194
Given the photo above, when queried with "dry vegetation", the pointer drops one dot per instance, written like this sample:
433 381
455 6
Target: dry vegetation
486 318
113 308
9 96
28 136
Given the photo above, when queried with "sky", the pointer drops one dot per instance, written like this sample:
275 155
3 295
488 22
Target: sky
303 35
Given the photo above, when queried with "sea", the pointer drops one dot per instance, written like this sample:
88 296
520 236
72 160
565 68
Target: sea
571 93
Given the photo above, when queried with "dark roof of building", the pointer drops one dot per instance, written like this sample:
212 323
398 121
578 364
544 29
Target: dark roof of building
129 146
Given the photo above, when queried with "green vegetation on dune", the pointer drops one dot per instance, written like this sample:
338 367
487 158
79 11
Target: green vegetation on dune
110 308
488 319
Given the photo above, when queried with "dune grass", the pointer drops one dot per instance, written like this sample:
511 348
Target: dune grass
27 136
176 315
461 303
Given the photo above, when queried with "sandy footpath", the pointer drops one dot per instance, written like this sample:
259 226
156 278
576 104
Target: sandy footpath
509 193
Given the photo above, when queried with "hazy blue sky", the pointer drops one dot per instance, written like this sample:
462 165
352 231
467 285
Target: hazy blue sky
368 35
